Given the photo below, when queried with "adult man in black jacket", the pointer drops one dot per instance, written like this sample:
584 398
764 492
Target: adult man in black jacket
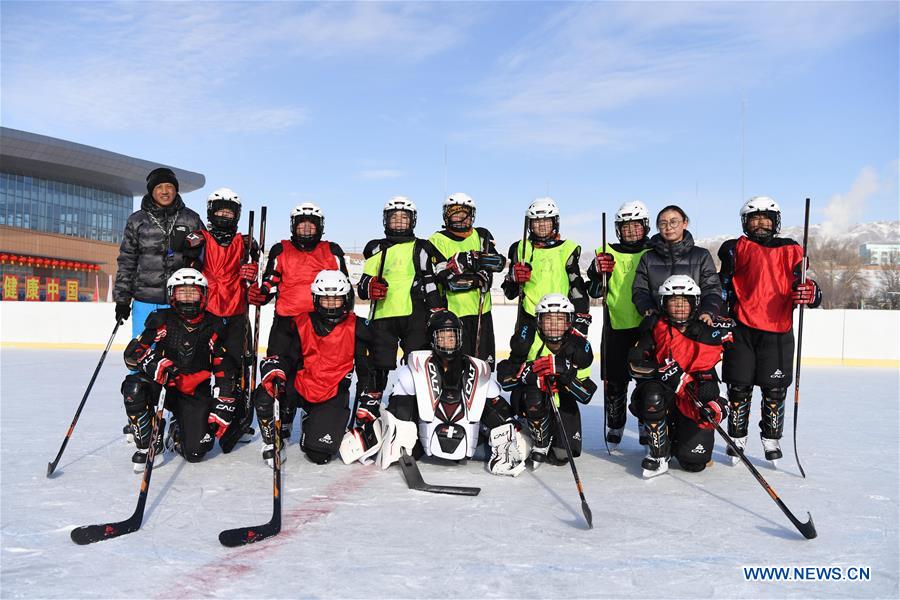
151 249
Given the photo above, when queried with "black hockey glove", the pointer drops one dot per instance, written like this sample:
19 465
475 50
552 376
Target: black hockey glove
123 311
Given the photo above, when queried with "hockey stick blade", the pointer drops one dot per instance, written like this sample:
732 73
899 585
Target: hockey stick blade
248 535
588 515
415 482
88 534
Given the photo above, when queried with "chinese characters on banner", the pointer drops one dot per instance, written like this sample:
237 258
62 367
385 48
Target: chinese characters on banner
33 289
71 290
10 287
52 289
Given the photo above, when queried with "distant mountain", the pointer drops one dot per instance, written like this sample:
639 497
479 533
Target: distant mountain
862 233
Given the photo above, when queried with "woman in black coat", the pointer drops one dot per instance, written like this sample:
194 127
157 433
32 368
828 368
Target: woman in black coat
672 252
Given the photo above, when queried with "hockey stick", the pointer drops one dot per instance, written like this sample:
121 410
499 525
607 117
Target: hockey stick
262 244
232 436
247 535
554 399
808 529
52 465
88 534
374 303
415 482
481 294
804 265
603 337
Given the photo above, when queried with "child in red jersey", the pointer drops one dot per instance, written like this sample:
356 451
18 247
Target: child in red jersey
761 278
674 362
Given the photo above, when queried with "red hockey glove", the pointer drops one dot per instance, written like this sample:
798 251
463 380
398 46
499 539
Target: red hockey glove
378 289
714 410
548 385
249 272
804 293
273 377
256 296
521 272
604 262
159 369
581 324
221 415
543 366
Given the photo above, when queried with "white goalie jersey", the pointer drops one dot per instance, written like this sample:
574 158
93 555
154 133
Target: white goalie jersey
449 417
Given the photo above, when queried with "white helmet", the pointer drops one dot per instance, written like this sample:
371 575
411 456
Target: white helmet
761 204
216 201
679 285
555 303
543 208
307 211
332 283
458 199
399 203
632 211
187 277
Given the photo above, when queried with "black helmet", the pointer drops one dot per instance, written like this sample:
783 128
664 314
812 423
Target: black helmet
445 321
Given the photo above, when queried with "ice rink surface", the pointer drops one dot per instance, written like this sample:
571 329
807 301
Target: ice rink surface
359 532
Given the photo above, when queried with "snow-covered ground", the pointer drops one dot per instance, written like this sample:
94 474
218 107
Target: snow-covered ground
359 532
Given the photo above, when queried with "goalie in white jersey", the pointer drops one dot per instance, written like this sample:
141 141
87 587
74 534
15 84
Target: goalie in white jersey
441 400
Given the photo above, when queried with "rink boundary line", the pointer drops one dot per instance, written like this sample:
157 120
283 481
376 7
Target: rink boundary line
886 363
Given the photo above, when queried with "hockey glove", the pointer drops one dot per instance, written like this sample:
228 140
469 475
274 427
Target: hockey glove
509 449
158 368
714 410
123 311
361 443
378 289
674 376
492 263
548 384
463 262
581 324
604 263
249 272
804 293
521 272
221 415
273 377
256 296
368 407
545 365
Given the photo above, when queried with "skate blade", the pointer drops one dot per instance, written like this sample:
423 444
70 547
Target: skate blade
734 460
651 474
129 439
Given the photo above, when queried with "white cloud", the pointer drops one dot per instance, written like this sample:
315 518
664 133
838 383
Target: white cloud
182 66
559 85
380 174
844 210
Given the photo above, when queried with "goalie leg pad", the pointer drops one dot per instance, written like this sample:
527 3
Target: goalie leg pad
395 434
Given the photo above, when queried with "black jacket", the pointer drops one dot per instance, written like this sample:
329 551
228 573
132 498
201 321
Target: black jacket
681 258
151 250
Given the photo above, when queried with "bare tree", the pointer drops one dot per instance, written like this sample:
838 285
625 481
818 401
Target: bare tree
838 269
887 294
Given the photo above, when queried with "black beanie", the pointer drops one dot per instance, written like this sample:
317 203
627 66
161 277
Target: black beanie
161 175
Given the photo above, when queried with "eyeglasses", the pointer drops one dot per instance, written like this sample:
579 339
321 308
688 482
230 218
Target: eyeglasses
670 224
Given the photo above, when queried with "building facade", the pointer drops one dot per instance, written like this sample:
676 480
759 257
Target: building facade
881 254
63 208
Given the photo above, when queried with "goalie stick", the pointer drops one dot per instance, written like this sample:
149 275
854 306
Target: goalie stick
415 482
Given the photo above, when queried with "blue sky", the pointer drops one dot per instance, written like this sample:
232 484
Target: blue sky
347 104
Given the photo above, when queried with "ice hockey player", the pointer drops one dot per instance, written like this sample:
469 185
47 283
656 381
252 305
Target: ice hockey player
291 268
465 269
555 368
329 341
544 265
439 403
228 261
761 277
398 276
674 363
180 348
620 317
